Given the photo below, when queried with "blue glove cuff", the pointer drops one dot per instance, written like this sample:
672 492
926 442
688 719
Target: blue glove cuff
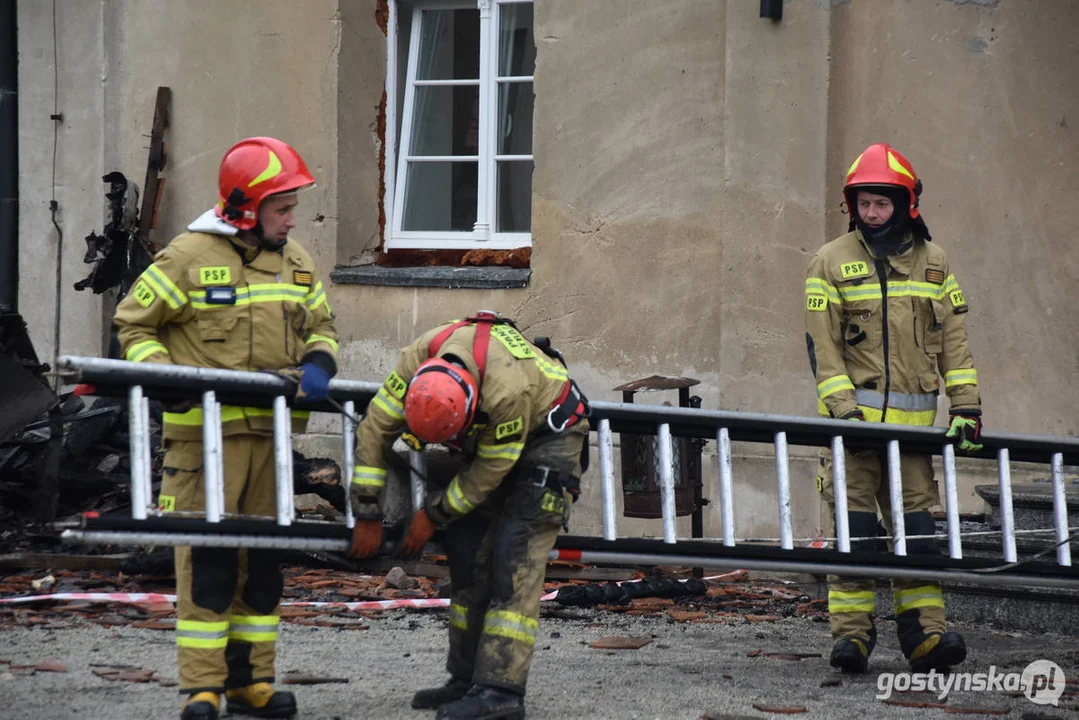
315 382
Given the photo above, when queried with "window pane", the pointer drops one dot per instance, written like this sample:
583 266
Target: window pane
515 104
449 45
516 44
515 196
446 120
441 196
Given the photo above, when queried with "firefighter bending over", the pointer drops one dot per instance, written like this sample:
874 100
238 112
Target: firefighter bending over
518 421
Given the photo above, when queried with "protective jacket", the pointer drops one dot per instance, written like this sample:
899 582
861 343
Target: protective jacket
878 330
517 390
209 300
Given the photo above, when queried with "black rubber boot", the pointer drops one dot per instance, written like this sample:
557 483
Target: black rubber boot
483 702
939 652
201 706
431 698
851 655
261 700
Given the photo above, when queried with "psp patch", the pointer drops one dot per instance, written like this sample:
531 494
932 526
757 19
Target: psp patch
143 294
302 277
934 276
396 385
216 275
552 503
510 428
855 269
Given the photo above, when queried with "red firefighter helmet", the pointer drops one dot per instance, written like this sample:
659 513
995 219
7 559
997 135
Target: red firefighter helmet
251 171
880 164
441 401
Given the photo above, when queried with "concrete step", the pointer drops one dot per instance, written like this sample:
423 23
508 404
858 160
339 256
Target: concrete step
1032 503
1032 509
977 545
1038 610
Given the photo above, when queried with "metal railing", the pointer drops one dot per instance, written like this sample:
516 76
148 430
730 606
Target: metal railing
146 525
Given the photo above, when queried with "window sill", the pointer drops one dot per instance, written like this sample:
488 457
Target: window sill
481 278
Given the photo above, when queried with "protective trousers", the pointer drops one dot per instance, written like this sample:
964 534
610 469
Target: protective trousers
919 604
498 560
226 598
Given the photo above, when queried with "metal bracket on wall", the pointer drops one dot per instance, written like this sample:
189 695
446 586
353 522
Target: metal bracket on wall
772 9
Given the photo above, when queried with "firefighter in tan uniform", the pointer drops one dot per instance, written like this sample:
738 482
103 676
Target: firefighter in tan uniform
518 419
233 292
884 316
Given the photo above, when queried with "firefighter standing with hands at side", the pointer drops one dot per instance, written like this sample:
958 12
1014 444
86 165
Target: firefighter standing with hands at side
234 292
477 385
884 315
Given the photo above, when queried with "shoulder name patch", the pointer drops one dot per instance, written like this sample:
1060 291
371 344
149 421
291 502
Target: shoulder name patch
513 341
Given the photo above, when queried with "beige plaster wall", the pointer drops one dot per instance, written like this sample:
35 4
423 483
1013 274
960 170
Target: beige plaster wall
70 86
983 98
689 161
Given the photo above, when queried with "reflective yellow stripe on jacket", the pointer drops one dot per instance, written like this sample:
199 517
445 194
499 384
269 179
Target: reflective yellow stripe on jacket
369 478
317 296
965 376
145 349
266 292
456 497
311 339
898 288
166 288
833 385
817 286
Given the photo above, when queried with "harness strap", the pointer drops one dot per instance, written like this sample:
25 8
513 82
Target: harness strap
483 320
568 408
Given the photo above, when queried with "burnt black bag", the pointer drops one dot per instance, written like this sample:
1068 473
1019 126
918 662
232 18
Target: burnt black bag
612 593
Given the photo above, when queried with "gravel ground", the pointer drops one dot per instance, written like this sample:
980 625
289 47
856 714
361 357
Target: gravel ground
688 670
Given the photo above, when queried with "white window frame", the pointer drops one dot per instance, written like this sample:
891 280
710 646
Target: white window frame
483 233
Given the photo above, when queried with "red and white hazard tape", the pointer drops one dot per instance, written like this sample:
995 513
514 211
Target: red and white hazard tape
133 598
423 603
137 598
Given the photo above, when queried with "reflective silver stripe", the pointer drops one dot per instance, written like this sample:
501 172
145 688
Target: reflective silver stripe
899 401
253 628
203 634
